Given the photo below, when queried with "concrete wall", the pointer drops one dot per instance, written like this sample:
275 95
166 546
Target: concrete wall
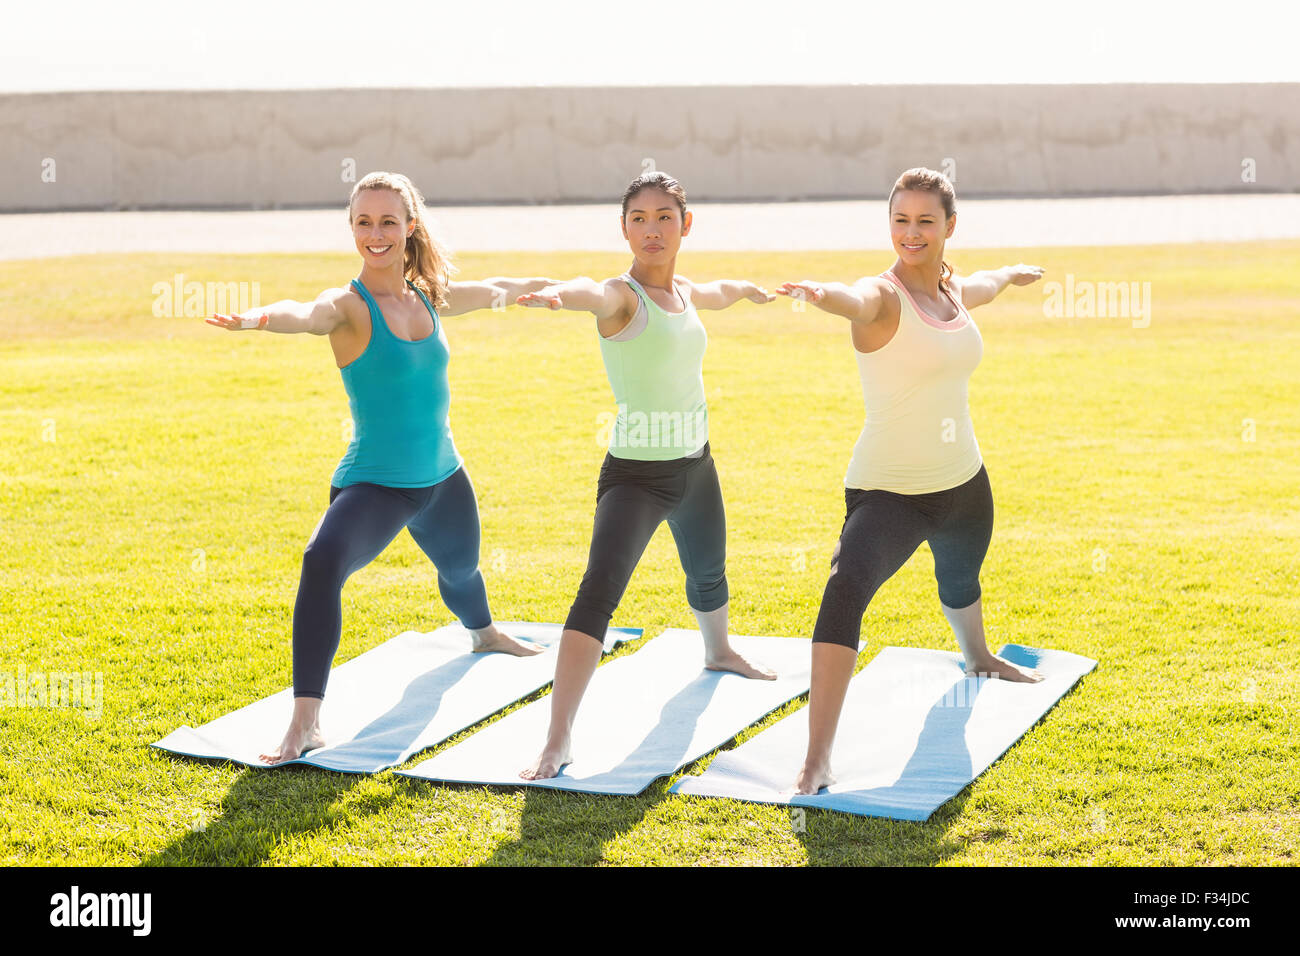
123 150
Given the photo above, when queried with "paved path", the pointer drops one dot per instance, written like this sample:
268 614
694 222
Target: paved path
718 226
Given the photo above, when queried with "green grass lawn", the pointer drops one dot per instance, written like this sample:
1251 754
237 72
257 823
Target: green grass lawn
159 478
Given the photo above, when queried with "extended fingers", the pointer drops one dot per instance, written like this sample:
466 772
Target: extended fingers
536 299
808 290
235 322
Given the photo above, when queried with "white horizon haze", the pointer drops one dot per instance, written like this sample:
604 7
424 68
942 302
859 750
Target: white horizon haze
242 44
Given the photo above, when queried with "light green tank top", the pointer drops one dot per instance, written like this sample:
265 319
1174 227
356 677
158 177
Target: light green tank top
658 382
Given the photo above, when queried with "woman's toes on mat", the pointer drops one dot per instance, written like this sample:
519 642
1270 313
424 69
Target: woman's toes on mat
296 742
995 666
813 777
491 639
548 764
731 661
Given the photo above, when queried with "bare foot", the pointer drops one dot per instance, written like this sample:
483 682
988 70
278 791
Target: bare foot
297 741
995 666
494 639
813 776
549 763
731 661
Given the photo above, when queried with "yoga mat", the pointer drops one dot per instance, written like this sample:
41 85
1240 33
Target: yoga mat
643 717
914 732
406 695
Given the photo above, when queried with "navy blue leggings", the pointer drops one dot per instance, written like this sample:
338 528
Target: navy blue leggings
361 521
632 499
881 531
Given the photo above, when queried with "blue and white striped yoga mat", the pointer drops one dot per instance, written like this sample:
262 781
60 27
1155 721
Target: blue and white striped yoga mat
914 732
406 695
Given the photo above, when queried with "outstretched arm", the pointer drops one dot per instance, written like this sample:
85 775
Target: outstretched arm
319 317
981 288
725 292
494 293
860 302
612 302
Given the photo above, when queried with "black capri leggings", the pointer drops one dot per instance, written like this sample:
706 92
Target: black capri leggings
881 531
632 499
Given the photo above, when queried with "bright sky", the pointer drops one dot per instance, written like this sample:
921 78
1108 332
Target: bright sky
261 44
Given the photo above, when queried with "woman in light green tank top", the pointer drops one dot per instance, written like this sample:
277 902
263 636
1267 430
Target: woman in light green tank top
658 467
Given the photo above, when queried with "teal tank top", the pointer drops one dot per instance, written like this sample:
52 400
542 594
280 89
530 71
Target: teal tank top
658 383
400 397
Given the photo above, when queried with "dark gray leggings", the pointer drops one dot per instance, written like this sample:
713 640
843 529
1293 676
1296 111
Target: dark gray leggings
881 531
632 499
361 521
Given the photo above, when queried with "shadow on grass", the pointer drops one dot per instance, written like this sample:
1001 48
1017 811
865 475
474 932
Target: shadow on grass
565 828
838 839
258 811
263 805
841 839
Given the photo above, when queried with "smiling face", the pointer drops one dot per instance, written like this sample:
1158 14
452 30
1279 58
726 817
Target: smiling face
380 227
654 226
918 227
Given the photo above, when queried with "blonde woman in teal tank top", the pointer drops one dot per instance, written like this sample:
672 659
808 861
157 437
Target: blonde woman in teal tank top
658 467
402 469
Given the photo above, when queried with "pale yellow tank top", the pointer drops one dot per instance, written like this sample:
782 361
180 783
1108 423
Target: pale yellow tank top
918 436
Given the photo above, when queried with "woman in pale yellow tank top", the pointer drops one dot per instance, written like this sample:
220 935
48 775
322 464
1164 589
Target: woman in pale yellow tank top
916 474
